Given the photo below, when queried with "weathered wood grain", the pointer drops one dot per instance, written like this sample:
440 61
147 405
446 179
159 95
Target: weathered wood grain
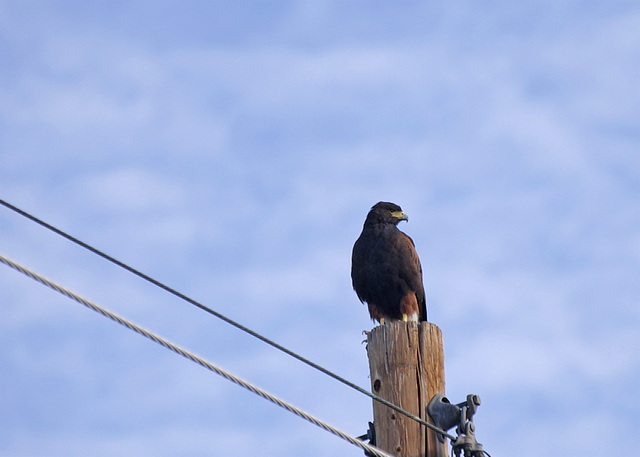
406 362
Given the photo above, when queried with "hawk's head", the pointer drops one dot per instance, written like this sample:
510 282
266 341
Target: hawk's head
385 213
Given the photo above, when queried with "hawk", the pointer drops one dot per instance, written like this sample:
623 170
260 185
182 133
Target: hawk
385 268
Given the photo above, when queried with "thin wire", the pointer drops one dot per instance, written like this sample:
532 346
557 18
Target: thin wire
225 319
193 357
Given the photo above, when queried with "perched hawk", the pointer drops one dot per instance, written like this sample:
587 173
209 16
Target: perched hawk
385 268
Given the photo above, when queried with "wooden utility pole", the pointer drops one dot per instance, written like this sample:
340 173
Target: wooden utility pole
406 361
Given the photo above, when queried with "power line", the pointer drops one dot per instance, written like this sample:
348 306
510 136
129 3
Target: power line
224 318
194 358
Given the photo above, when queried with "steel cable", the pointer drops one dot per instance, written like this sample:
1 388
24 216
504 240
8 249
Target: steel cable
194 358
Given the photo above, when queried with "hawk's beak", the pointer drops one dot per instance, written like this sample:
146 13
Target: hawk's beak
400 215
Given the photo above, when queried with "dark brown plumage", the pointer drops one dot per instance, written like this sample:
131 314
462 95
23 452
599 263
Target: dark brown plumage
385 268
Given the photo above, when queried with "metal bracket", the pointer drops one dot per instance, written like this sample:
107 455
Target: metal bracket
443 413
369 436
446 415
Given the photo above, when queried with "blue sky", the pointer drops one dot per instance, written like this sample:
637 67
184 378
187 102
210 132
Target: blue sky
233 149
